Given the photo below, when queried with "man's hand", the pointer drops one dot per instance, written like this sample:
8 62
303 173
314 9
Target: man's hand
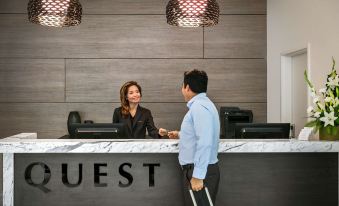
173 134
197 184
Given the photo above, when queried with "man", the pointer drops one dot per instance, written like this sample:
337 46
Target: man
198 137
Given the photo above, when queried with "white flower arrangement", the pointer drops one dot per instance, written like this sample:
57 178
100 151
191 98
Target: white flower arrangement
325 108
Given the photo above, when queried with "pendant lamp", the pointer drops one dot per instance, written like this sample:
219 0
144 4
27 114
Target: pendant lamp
192 13
55 13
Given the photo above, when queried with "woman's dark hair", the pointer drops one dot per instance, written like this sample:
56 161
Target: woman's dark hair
197 80
123 96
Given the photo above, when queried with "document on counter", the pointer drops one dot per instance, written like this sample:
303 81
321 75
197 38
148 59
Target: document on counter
305 133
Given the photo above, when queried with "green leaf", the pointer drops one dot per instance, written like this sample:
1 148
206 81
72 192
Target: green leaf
333 63
331 94
317 126
319 106
307 80
311 123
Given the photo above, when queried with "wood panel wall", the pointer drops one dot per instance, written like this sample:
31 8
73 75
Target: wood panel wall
47 72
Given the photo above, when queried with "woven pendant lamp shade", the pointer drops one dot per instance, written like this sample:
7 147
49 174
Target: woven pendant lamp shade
56 13
192 13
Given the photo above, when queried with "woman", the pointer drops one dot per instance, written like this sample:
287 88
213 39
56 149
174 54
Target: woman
137 118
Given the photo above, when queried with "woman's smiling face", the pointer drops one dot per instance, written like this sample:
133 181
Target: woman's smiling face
133 94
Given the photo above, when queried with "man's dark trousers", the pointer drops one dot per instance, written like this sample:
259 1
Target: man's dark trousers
211 181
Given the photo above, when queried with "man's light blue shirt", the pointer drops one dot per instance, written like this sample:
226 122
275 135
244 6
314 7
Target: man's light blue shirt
199 135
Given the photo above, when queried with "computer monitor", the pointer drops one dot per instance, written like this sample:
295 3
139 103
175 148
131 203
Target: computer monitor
99 131
262 130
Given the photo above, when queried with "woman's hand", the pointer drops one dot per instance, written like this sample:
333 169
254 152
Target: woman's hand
162 132
173 134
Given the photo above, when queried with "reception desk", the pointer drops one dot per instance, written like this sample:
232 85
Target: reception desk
146 172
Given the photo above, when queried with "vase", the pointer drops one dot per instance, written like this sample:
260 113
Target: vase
329 133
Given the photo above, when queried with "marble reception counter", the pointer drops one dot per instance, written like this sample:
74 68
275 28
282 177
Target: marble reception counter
17 144
23 143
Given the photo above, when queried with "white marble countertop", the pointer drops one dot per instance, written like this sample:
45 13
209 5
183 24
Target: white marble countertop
28 143
20 144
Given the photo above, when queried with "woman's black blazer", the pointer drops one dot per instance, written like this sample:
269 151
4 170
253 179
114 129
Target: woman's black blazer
137 130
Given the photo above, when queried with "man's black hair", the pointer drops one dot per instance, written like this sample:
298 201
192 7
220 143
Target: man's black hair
197 80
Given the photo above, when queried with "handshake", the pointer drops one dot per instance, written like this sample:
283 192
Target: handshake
171 134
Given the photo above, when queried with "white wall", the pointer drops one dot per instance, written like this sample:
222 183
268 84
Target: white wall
292 25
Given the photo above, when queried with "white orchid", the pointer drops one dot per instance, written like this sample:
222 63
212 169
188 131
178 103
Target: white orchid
336 101
313 94
329 118
316 114
328 99
322 90
316 99
333 82
309 109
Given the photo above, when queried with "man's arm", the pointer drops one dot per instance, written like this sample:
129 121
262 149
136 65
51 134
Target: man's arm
203 128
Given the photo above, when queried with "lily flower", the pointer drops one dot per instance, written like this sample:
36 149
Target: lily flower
329 118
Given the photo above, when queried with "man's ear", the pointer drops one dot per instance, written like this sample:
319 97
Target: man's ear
187 88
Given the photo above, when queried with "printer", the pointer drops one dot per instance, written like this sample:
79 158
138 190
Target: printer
231 115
